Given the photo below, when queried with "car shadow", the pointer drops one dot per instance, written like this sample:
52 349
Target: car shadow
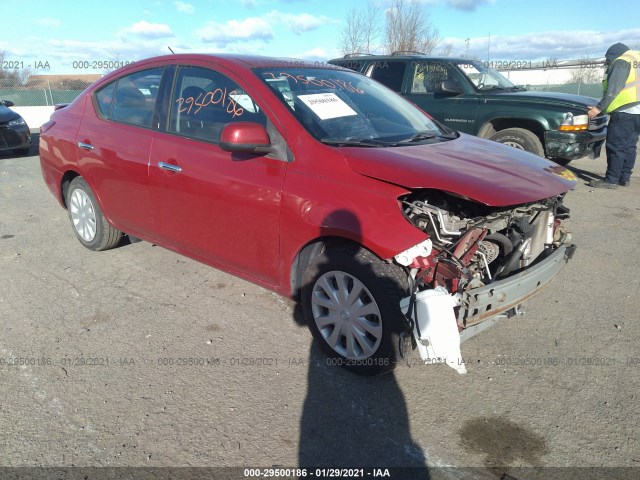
584 174
353 421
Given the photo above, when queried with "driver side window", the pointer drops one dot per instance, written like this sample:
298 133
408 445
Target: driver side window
204 101
428 76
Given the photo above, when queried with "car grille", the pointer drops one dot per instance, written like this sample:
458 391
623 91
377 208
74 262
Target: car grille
9 138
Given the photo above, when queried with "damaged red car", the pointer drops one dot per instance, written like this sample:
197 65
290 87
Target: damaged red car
394 232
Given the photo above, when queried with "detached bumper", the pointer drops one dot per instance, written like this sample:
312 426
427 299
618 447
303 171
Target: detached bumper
483 303
572 145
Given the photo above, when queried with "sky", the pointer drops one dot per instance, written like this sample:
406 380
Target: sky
66 36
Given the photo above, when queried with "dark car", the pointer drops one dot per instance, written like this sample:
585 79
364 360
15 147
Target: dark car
320 184
14 131
470 97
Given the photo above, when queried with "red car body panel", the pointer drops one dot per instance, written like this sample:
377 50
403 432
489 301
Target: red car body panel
252 214
469 166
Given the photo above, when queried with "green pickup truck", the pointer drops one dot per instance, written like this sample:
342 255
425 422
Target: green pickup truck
469 97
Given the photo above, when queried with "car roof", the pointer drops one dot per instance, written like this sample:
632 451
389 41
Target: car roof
244 61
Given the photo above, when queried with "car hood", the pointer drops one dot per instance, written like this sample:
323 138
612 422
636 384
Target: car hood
552 98
7 114
481 170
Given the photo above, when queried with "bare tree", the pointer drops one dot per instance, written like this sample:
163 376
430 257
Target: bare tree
590 71
408 28
445 50
361 31
11 78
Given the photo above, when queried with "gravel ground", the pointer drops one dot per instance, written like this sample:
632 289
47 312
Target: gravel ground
138 357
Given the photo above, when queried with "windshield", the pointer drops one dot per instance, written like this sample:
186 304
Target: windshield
341 107
485 78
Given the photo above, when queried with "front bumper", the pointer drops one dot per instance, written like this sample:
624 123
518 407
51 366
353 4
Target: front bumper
482 303
14 138
572 145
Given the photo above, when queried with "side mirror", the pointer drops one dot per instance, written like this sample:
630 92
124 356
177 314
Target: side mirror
245 137
450 86
7 103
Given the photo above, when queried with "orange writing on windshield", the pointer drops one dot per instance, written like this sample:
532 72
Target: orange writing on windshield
330 83
218 96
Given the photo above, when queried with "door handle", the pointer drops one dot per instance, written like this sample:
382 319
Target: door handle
170 167
85 146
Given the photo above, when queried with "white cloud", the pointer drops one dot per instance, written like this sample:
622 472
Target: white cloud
48 22
184 7
145 29
565 45
300 23
249 29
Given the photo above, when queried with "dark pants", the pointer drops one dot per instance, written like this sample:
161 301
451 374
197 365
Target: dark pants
622 137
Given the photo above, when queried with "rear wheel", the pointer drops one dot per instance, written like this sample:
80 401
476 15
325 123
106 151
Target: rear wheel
521 139
87 220
351 301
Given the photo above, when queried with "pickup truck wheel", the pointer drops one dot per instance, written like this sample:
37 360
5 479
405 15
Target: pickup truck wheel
351 302
87 220
520 138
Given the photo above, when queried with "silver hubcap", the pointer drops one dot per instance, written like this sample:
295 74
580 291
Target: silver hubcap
346 315
83 215
514 145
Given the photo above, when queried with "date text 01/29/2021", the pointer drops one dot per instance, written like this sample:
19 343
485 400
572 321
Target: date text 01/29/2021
286 473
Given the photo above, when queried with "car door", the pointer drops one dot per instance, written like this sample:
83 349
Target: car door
218 206
113 142
457 110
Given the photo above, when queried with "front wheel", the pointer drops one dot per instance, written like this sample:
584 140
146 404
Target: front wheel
521 139
351 301
87 219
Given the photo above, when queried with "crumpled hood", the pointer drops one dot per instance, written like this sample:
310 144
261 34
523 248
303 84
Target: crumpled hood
7 114
482 170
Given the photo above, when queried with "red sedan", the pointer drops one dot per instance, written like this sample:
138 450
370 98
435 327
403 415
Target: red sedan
319 183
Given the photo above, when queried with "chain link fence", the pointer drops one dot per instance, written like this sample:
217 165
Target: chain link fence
38 92
587 89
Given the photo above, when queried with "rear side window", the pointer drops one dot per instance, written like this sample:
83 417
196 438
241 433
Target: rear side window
204 101
103 99
388 73
131 99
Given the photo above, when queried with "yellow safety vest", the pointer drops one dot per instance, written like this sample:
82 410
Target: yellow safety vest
631 90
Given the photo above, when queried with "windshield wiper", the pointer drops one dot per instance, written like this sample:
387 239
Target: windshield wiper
356 142
429 135
416 137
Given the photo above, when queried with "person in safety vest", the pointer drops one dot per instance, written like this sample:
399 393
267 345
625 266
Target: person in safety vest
621 100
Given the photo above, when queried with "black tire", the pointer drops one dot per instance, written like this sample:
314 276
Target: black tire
384 286
87 219
521 139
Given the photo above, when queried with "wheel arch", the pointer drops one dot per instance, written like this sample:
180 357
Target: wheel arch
492 126
65 181
308 252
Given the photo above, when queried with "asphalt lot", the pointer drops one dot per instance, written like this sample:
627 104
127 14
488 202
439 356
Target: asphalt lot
138 357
